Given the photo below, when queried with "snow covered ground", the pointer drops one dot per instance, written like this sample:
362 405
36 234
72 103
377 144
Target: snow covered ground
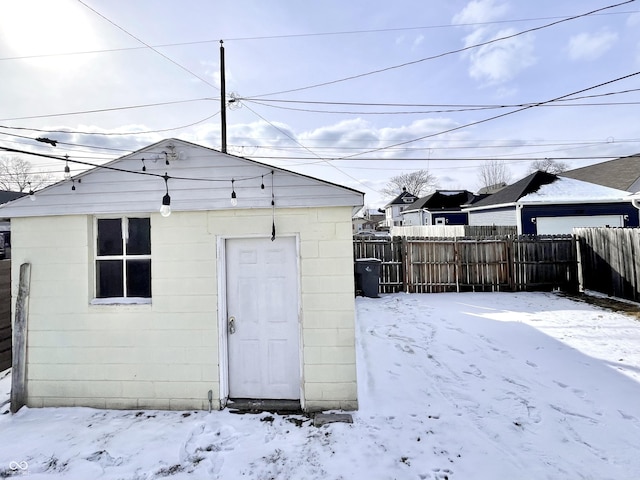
479 386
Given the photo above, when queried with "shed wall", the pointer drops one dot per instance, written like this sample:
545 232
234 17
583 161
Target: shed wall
165 355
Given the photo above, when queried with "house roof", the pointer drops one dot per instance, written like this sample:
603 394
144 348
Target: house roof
621 173
197 178
405 198
571 190
7 196
444 200
512 193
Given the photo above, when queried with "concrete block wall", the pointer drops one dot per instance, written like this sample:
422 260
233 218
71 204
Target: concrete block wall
165 354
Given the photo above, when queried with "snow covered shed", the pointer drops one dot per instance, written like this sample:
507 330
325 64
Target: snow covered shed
545 204
244 290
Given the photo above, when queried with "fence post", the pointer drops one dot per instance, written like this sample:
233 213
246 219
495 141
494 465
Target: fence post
511 261
19 369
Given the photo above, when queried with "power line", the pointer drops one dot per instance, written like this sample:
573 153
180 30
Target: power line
182 67
451 52
102 110
495 117
111 134
310 151
302 35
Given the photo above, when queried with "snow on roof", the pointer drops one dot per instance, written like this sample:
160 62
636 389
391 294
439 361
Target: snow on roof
569 189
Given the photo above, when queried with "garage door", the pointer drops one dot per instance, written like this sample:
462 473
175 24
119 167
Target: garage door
565 225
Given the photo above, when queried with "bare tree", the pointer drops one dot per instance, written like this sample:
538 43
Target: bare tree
548 165
493 173
418 183
16 175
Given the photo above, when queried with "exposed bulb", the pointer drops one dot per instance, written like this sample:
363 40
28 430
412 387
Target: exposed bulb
67 172
165 210
32 196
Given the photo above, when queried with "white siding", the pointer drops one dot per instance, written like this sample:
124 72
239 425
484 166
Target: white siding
103 191
165 355
503 216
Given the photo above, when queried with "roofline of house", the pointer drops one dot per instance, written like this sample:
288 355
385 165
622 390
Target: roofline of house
489 207
569 202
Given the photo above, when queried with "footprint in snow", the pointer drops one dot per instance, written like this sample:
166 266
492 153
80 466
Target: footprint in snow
475 371
405 348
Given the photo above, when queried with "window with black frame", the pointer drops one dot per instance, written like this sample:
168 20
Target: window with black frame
123 257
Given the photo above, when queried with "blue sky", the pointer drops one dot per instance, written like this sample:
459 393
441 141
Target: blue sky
102 63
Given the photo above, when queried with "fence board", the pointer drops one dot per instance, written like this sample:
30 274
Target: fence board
431 265
610 259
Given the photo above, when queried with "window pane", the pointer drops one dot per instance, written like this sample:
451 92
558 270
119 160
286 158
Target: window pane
139 242
139 278
109 236
109 278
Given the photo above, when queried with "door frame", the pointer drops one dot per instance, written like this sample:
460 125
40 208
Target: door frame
223 314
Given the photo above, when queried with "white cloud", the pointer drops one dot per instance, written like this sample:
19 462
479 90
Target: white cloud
501 61
478 11
590 46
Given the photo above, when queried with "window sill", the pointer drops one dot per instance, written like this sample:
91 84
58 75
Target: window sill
121 301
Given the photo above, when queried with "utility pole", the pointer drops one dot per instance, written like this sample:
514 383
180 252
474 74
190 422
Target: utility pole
223 101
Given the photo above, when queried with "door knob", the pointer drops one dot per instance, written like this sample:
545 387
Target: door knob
232 325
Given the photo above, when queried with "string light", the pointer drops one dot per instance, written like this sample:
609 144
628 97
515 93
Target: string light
165 209
234 199
67 170
273 211
32 195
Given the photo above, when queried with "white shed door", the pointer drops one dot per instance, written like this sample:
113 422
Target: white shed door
263 328
565 225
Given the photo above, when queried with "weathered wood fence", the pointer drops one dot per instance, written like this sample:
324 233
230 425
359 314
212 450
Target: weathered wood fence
5 314
510 263
610 260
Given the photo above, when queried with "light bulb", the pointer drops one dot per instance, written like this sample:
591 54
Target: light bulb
32 196
234 200
165 209
67 172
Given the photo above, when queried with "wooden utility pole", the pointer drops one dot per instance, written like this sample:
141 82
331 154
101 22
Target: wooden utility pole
223 101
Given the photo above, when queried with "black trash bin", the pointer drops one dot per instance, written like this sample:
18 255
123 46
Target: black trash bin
367 271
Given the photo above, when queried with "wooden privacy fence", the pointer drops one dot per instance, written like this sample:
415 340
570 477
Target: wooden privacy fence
610 260
511 263
5 314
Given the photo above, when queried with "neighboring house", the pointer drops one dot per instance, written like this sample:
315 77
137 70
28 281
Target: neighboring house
543 204
131 309
621 173
442 207
393 209
5 225
369 221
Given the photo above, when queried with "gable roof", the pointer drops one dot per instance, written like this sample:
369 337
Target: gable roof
405 198
7 196
621 173
512 193
568 190
199 178
444 199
